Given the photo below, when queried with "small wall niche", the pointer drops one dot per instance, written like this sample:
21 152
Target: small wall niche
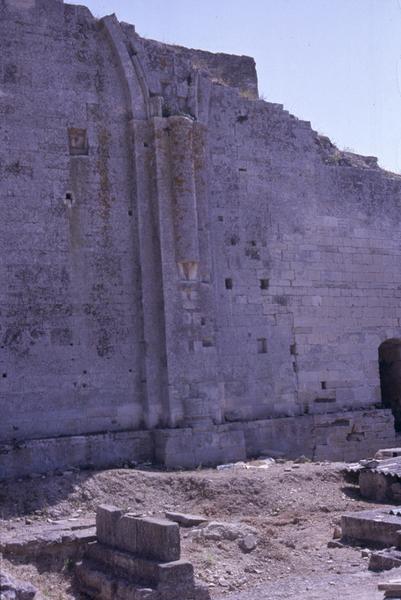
323 385
264 284
69 199
78 141
228 283
262 345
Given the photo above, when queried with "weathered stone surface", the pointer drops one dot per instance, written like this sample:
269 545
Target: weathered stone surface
156 539
13 589
217 531
384 560
248 542
107 519
185 519
136 558
139 568
68 537
376 526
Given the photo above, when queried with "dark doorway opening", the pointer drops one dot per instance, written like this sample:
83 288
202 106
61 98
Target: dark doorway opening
390 377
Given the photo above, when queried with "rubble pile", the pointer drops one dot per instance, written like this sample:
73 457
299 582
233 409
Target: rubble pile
12 589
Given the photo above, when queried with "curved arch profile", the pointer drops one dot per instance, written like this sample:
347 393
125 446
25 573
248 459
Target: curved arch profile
390 377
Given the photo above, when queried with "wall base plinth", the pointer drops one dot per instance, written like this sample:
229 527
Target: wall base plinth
343 436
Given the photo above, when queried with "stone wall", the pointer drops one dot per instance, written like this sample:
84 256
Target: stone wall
71 341
183 263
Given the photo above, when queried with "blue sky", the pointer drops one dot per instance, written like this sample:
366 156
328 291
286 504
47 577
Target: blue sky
336 63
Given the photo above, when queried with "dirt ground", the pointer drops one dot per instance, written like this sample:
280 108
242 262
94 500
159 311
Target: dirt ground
293 508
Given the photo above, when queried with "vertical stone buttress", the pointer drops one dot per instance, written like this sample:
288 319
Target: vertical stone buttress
170 164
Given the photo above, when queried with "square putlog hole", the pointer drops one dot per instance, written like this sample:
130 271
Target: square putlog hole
78 141
262 346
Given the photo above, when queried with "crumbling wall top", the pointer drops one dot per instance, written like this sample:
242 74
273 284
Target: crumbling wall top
227 69
27 4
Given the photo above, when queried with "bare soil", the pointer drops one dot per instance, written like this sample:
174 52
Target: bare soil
294 508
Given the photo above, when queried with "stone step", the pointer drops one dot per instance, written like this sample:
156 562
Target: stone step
69 536
378 527
147 572
384 560
100 586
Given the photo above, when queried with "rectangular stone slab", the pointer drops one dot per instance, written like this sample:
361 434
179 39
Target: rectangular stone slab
140 569
390 586
371 526
186 520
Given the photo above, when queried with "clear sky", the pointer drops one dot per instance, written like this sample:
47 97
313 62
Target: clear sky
336 63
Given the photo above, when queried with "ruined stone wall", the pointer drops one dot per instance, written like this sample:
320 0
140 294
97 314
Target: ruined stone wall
309 238
71 333
304 274
190 274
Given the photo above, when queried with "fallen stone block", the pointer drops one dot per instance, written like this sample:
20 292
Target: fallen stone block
157 539
69 537
378 527
186 520
384 560
248 543
391 589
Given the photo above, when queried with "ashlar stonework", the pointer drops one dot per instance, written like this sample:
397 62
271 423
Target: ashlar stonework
190 275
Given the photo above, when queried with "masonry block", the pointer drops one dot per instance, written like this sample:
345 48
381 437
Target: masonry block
156 538
107 520
376 526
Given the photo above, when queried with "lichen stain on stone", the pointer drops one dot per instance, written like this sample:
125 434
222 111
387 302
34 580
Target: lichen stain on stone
104 346
102 166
